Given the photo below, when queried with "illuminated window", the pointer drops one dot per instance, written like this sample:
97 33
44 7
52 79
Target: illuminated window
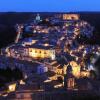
31 50
35 51
45 53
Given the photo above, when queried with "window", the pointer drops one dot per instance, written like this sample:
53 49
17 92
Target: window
45 52
30 50
35 51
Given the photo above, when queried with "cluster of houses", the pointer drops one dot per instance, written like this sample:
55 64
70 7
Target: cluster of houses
37 55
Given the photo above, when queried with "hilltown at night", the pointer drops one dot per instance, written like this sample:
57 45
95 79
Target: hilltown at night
51 56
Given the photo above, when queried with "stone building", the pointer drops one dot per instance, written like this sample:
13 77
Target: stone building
42 51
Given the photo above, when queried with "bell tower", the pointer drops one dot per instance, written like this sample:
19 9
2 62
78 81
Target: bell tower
69 80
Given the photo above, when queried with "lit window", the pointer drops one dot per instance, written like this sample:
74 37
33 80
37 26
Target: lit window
30 50
45 52
35 51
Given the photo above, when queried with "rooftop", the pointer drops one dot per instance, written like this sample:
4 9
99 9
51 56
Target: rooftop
42 46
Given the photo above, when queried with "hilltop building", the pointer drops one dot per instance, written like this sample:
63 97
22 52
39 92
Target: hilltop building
70 17
67 16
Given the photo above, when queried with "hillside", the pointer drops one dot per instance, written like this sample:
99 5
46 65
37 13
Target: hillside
9 19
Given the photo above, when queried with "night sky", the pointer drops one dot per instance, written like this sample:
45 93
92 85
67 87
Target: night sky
49 5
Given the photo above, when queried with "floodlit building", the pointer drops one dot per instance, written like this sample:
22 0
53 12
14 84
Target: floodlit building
67 16
38 17
42 51
70 17
69 79
11 87
85 73
29 48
